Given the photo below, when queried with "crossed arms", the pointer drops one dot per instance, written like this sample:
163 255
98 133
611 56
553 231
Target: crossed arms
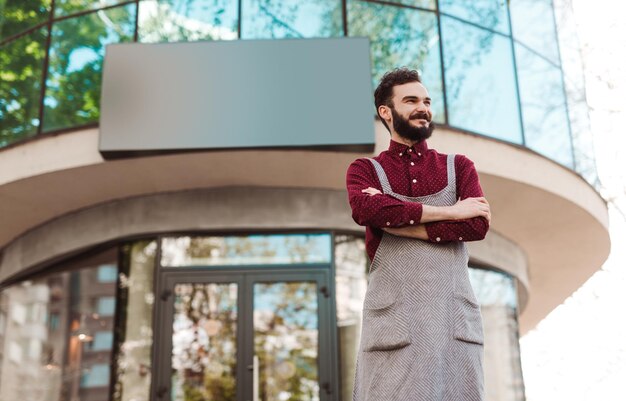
467 220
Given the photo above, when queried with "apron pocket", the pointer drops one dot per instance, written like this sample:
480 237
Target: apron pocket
385 327
468 324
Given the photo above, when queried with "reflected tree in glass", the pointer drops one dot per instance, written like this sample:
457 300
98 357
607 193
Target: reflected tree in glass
21 69
204 342
286 340
187 20
490 14
401 37
75 71
67 7
19 15
480 81
291 18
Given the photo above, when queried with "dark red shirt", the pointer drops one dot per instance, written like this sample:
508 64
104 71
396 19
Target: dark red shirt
414 171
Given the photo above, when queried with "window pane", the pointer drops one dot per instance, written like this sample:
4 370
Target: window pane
106 306
497 296
134 361
291 18
18 15
66 7
76 54
430 4
543 107
480 81
21 69
491 14
401 37
533 25
57 345
187 20
107 273
351 284
249 250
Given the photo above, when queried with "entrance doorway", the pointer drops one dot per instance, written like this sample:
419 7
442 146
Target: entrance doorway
245 335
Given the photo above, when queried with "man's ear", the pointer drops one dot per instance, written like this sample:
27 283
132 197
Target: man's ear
384 112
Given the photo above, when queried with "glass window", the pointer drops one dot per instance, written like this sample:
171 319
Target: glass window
401 37
544 108
75 72
102 340
18 15
134 361
430 4
21 69
55 337
480 81
67 7
107 273
497 296
351 283
491 14
533 25
106 306
95 376
291 18
248 250
187 20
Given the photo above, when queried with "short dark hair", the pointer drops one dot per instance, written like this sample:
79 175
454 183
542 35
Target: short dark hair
384 91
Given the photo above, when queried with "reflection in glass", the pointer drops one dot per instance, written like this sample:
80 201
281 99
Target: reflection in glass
133 357
533 24
67 7
491 14
574 77
286 340
401 37
76 54
351 284
497 296
248 250
204 342
18 15
430 4
480 81
187 20
50 328
21 68
544 109
291 18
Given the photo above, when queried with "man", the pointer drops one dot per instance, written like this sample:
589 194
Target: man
422 330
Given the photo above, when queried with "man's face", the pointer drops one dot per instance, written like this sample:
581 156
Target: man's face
411 114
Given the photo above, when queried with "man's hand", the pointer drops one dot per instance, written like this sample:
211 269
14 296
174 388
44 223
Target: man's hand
471 207
371 191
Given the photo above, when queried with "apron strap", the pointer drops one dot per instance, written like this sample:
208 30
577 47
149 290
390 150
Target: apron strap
451 174
382 177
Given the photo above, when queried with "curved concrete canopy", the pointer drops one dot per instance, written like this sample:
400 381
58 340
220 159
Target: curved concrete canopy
554 216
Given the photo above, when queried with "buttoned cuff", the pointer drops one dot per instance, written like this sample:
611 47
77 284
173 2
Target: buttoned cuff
439 233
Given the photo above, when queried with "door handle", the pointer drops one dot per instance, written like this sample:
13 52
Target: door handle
255 377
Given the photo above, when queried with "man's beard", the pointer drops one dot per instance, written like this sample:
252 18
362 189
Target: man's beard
407 131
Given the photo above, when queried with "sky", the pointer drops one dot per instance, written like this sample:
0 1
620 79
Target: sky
578 352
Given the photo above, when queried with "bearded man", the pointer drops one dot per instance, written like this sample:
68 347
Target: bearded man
422 336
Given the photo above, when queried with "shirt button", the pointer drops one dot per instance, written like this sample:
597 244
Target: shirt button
412 164
400 153
410 150
414 180
460 238
438 239
412 221
388 223
419 154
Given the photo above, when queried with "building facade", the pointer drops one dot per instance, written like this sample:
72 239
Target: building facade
238 274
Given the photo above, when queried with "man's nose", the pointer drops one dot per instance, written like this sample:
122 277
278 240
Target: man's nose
421 106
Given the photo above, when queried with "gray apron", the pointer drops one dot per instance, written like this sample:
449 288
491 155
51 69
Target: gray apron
422 335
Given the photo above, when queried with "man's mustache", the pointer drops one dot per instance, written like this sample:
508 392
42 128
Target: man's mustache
422 116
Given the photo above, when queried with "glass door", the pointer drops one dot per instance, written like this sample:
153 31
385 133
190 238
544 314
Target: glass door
244 336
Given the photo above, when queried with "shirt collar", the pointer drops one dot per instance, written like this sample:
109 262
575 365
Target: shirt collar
399 149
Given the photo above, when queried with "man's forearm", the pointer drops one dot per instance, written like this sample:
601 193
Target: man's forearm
436 213
416 232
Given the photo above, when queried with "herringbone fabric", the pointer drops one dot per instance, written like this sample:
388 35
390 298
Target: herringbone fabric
422 335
